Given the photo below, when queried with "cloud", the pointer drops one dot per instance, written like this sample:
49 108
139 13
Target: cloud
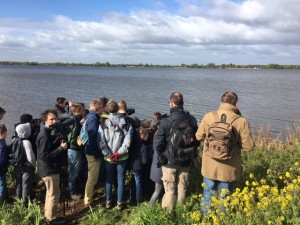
220 31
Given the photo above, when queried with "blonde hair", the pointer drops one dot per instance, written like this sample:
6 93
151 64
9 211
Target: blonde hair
122 105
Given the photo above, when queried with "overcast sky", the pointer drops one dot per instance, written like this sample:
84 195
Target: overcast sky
149 31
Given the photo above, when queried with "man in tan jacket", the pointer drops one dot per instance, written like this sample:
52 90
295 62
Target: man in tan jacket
223 174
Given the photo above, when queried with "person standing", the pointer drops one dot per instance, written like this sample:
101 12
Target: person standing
3 163
115 139
24 174
92 151
49 153
219 174
75 151
175 170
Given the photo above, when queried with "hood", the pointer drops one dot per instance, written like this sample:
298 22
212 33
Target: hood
115 122
23 130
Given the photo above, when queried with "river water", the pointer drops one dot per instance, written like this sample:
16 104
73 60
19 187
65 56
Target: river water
266 97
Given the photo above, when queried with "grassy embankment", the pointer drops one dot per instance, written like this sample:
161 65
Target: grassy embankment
268 193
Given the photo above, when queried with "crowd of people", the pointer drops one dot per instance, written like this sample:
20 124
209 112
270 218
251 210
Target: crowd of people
105 141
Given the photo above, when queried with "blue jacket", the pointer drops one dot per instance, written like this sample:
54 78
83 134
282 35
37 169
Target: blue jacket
3 157
92 126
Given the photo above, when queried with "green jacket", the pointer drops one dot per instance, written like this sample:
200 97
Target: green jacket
72 137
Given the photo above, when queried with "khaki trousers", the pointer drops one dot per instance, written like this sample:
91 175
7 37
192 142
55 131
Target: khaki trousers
174 179
92 179
52 196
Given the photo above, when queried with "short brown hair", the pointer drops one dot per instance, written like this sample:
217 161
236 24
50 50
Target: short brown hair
112 106
3 129
157 116
77 109
177 98
45 114
95 105
229 97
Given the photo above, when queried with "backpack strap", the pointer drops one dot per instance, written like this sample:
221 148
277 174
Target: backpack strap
234 118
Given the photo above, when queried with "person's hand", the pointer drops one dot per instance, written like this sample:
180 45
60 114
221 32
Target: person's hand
162 160
64 145
114 157
70 103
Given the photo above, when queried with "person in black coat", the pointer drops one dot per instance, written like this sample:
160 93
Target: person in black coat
49 153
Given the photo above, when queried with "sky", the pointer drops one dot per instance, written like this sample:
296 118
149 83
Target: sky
164 32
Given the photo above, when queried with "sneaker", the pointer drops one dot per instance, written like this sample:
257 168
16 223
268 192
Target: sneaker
75 197
120 206
108 205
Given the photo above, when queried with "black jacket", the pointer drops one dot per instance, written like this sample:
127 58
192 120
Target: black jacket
163 132
139 155
48 153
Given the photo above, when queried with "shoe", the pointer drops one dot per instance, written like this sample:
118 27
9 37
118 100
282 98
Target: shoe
108 205
120 207
58 221
75 197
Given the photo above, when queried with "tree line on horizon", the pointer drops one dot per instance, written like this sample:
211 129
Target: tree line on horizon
141 65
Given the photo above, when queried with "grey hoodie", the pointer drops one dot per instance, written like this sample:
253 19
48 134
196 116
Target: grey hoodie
115 138
24 131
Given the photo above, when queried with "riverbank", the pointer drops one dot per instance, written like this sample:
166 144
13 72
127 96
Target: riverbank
141 65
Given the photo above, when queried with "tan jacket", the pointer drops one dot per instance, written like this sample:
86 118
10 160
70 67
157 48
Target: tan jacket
227 170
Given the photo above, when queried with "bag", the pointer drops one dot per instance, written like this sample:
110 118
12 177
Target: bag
221 137
182 144
17 155
83 136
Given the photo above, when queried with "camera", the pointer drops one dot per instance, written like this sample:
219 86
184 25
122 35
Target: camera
61 130
130 111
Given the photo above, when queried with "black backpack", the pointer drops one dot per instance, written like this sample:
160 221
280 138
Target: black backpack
182 143
17 155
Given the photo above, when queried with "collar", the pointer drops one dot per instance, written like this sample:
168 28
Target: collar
176 108
229 107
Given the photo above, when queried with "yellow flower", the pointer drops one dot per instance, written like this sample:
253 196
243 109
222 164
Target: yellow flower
287 175
254 183
247 183
296 163
268 171
203 185
289 197
251 175
280 177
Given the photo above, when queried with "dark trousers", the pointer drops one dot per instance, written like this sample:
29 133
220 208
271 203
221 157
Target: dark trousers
24 178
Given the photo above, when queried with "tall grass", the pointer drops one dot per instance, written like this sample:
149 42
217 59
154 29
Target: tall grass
18 214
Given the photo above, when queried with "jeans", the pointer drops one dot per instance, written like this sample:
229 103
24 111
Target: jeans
121 172
158 191
136 187
3 185
212 187
75 164
24 179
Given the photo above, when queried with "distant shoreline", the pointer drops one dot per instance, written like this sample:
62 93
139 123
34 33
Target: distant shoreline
182 66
